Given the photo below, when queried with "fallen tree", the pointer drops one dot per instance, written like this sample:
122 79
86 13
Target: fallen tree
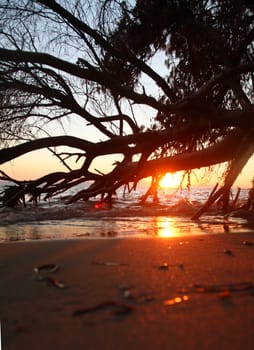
89 61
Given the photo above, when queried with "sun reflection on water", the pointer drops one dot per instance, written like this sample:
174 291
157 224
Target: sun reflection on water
116 227
167 227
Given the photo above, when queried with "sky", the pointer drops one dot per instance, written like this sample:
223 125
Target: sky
36 164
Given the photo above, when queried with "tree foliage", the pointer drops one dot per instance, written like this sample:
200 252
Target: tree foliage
97 62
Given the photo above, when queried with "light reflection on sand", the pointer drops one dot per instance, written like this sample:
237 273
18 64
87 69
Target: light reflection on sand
168 227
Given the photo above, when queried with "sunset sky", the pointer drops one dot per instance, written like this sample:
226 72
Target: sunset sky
39 163
36 164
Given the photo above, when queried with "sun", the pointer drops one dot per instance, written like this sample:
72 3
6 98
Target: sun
170 180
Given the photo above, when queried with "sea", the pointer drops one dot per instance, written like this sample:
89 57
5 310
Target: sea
170 217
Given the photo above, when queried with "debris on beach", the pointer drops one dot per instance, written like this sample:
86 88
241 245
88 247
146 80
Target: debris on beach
116 308
131 294
227 252
247 243
166 266
184 242
126 291
176 300
219 288
107 263
163 266
54 282
42 272
50 267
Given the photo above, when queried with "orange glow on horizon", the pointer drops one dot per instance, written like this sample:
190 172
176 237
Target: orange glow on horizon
39 163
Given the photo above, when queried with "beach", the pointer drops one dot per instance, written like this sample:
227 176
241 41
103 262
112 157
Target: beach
193 292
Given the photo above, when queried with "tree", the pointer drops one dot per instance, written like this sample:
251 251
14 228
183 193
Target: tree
90 60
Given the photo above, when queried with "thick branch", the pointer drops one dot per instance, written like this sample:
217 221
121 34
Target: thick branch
94 75
16 151
139 142
121 117
130 171
105 44
221 152
110 82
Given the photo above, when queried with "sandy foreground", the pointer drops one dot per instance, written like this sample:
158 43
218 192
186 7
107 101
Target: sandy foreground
175 293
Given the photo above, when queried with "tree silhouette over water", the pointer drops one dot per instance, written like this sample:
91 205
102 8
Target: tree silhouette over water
91 60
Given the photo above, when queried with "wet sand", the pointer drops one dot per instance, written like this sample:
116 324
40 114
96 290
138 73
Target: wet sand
175 293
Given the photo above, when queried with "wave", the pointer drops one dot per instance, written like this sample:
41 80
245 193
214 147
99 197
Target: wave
127 218
88 210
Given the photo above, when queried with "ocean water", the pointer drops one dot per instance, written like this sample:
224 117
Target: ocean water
54 219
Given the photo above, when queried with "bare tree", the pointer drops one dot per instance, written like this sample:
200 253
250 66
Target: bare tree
89 61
